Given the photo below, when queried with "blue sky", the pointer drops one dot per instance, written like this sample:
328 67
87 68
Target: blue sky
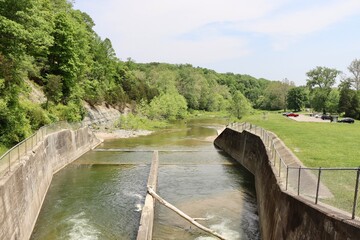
273 39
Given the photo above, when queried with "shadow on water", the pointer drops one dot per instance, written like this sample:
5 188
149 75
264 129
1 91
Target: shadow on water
100 195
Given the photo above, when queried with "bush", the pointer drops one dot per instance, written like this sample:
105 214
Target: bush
38 117
168 106
14 124
136 122
70 112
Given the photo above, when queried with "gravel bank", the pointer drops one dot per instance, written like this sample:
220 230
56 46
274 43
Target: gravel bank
120 133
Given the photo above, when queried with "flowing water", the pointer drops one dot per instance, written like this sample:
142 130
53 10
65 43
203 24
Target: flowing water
100 195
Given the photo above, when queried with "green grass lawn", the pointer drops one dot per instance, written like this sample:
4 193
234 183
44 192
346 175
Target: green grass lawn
316 144
321 144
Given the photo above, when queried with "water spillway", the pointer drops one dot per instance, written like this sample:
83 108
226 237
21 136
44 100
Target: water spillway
100 196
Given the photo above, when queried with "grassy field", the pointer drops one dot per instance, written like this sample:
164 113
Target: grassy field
316 144
321 144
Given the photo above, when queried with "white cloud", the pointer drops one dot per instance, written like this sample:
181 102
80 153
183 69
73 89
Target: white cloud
212 32
196 52
286 27
142 24
304 21
145 29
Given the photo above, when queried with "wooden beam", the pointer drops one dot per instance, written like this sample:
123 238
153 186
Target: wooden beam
182 214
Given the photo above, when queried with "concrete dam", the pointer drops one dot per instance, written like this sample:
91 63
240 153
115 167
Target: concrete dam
282 215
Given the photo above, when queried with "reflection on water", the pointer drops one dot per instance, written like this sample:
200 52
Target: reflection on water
101 194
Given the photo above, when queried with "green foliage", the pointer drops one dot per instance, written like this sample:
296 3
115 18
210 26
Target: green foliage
322 77
52 44
239 105
274 97
14 124
349 103
71 112
53 88
354 68
332 103
93 92
320 81
37 116
297 98
167 106
137 122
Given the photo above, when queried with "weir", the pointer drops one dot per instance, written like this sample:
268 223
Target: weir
102 194
148 211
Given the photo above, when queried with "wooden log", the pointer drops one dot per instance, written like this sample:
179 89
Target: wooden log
183 215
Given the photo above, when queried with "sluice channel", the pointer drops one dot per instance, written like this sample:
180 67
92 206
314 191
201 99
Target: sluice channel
101 195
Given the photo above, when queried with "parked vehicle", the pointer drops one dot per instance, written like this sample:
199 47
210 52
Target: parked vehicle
292 115
346 120
326 117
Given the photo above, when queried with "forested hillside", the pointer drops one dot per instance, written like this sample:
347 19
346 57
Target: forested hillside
53 46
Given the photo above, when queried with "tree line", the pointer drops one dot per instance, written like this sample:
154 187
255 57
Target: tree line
54 47
320 92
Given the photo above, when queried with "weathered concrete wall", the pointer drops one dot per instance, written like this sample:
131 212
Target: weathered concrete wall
23 190
145 230
283 215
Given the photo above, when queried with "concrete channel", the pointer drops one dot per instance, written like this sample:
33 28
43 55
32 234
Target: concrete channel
283 214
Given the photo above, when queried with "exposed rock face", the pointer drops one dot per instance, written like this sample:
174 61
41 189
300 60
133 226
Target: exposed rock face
101 114
36 94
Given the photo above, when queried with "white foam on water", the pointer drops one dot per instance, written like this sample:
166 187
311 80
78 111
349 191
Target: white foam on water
82 229
132 194
223 230
138 207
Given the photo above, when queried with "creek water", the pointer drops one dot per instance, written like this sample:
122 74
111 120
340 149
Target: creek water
100 195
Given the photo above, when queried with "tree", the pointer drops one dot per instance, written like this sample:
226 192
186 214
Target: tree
320 81
322 77
332 103
239 105
297 98
53 88
190 85
275 95
349 103
354 68
168 106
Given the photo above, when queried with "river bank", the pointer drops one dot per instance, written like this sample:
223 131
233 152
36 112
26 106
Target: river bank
121 133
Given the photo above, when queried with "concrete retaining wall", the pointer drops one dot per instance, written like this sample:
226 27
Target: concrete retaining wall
24 189
283 215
